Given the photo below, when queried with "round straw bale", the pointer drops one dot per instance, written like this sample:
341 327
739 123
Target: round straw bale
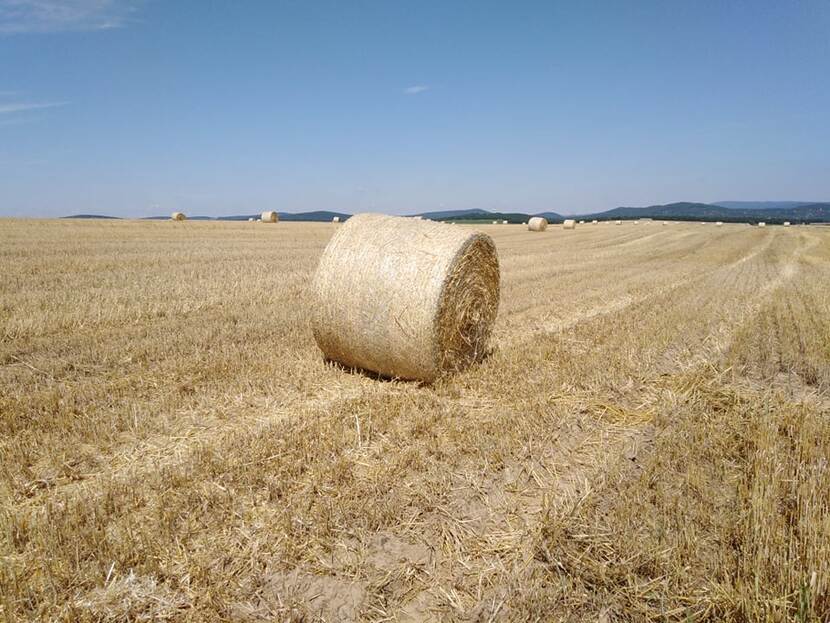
786 223
594 222
335 219
719 224
406 299
762 224
619 222
537 223
569 223
504 222
178 216
251 219
270 217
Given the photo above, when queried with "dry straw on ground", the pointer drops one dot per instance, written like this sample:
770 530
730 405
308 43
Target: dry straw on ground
405 299
537 223
569 224
144 477
177 216
270 217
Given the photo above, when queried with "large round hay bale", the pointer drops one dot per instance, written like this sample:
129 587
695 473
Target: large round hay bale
569 223
537 223
270 217
178 216
405 298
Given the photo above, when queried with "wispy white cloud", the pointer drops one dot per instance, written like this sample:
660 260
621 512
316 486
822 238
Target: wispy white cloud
415 89
29 16
6 109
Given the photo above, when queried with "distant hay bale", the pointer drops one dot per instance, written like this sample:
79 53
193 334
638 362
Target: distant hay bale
537 223
665 223
270 217
594 222
504 222
405 299
719 224
786 223
619 222
251 219
495 222
762 224
178 216
581 222
336 219
569 223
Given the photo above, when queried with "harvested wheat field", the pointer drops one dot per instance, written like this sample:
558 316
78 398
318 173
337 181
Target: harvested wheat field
648 440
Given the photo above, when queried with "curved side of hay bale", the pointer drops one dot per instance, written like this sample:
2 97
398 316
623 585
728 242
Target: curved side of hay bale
270 217
537 223
178 216
569 224
405 298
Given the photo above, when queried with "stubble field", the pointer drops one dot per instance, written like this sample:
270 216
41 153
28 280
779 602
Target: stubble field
649 439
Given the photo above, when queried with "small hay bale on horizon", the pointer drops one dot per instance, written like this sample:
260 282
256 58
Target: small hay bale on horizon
786 223
762 224
178 216
618 223
336 219
431 292
537 223
719 224
569 223
269 217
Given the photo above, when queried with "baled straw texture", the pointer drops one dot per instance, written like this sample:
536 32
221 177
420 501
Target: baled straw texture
569 224
177 216
403 298
537 223
270 217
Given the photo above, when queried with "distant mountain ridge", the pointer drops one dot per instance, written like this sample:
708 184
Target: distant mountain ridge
733 211
761 205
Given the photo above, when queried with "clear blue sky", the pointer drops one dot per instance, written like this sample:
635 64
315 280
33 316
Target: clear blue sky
135 108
